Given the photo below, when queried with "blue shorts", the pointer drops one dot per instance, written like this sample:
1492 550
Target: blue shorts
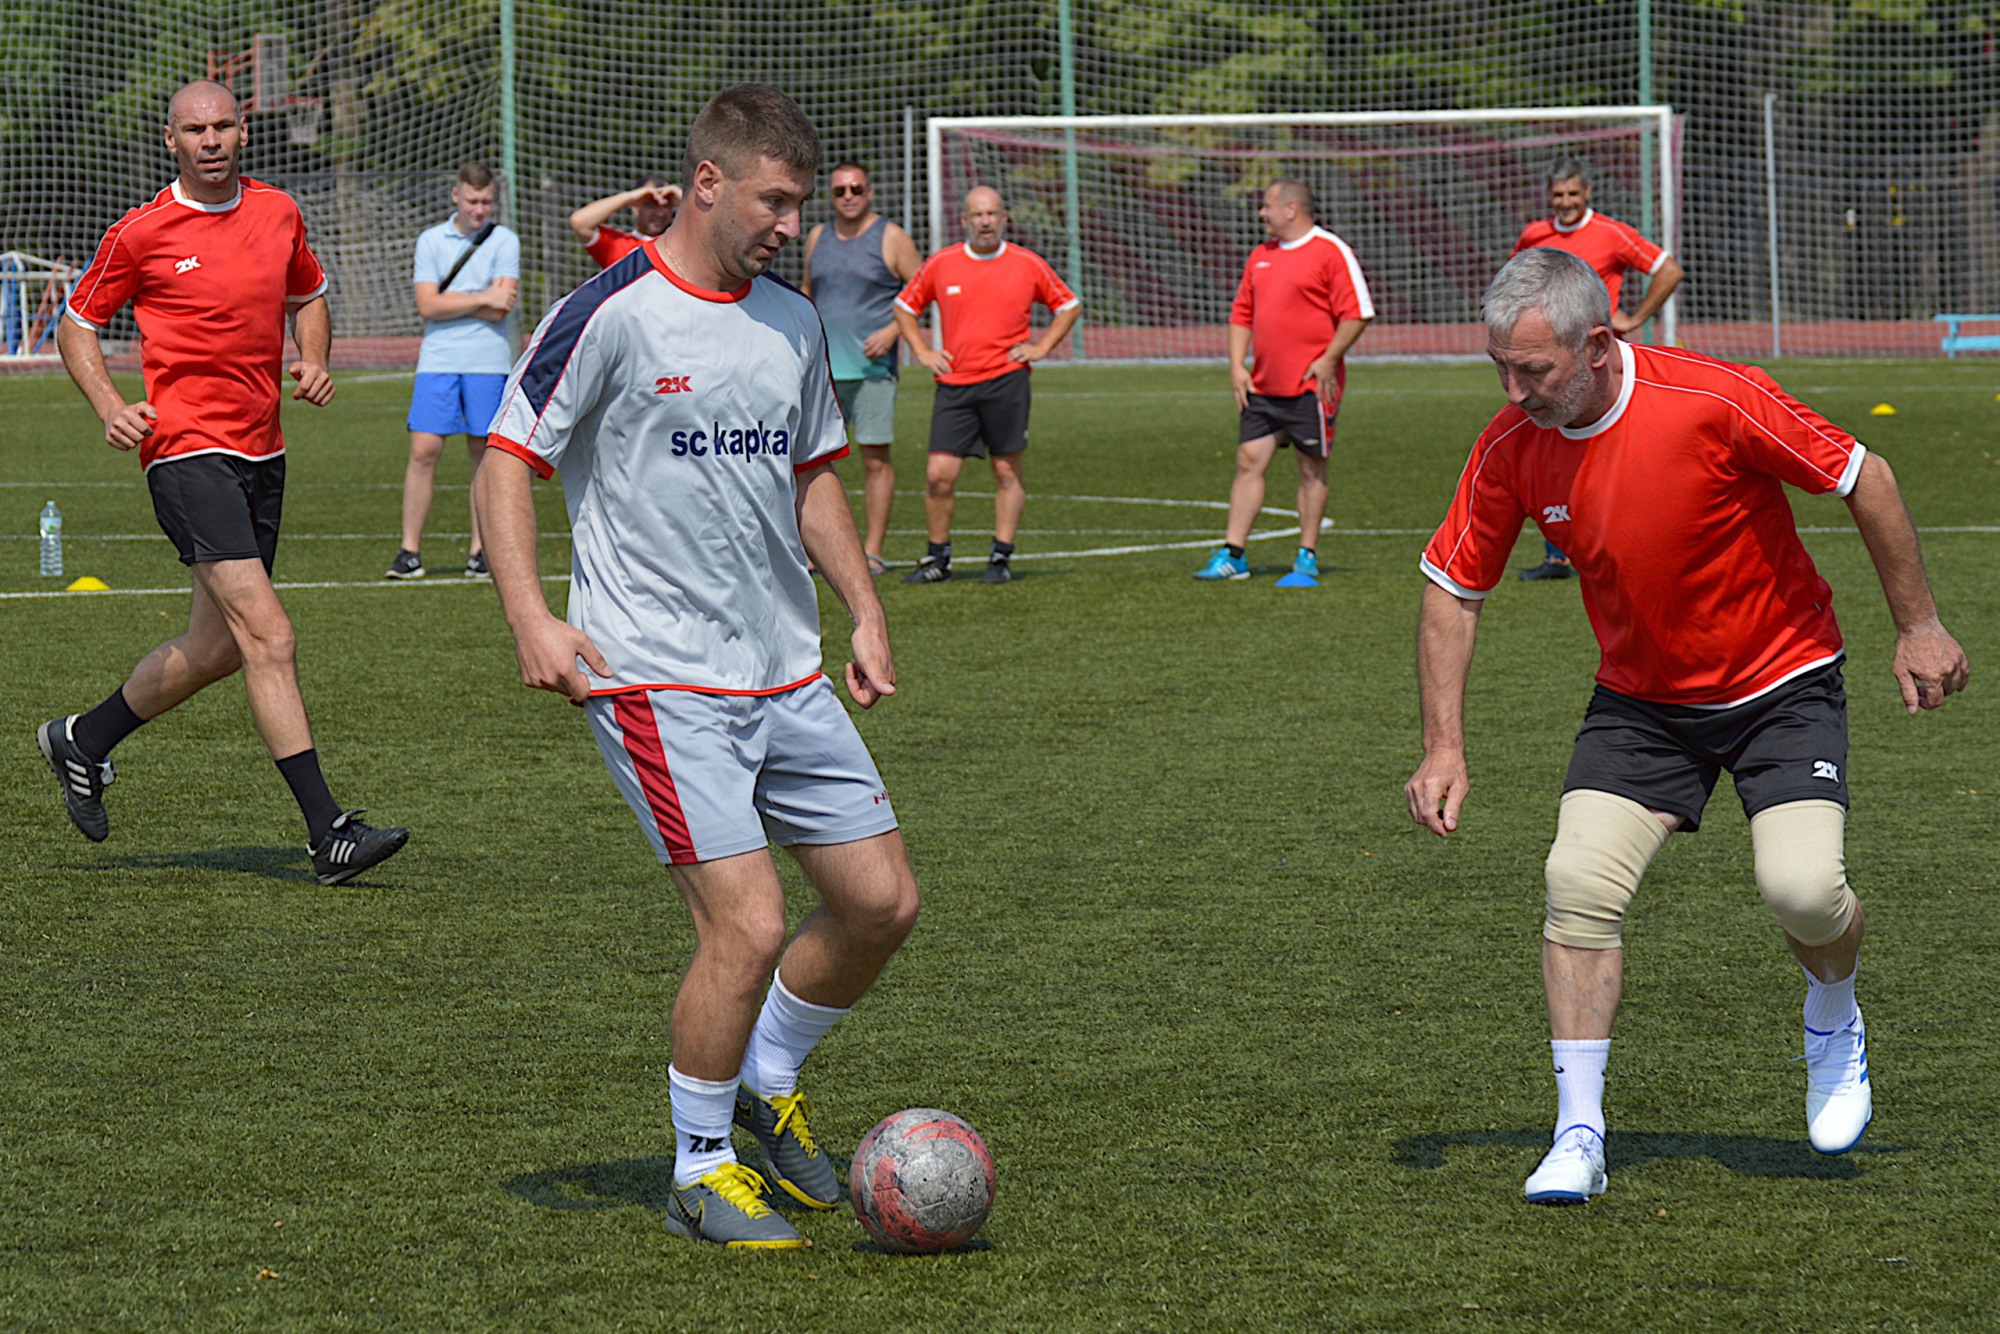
718 775
450 404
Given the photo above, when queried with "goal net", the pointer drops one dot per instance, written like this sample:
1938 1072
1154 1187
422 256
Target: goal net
1839 162
1151 217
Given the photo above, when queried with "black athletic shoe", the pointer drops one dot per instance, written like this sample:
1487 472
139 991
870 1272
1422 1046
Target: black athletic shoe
1548 569
930 570
997 572
476 567
407 565
352 846
83 779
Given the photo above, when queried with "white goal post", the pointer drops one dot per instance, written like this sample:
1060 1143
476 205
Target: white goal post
1150 217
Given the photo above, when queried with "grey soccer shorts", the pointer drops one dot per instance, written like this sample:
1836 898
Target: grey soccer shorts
717 775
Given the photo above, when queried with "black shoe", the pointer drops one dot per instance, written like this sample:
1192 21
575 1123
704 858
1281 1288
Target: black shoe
83 779
476 567
930 570
997 572
407 565
1548 569
352 846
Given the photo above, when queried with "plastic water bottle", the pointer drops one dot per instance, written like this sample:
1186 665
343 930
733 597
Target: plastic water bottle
51 540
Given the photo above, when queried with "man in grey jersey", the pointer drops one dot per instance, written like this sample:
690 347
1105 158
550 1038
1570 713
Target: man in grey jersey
685 396
854 268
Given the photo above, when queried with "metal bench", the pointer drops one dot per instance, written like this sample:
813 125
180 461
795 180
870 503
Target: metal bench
1956 342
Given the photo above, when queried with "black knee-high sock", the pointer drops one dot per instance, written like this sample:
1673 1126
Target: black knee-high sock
309 789
105 726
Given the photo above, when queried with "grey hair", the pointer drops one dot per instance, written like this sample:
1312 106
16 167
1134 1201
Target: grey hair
1566 290
1568 169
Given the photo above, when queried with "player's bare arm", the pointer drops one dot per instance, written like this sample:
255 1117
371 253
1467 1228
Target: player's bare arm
899 254
312 330
1320 373
812 244
1240 379
1059 327
546 648
1446 629
125 424
933 359
493 304
1661 286
826 526
1929 664
586 220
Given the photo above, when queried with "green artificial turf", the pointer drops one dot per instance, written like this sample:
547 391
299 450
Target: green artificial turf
1250 1049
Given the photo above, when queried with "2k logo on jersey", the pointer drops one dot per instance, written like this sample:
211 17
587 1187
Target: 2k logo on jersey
672 384
183 265
1555 514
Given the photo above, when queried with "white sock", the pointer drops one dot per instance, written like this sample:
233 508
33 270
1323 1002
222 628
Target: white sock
787 1030
702 1111
1830 1006
1580 1083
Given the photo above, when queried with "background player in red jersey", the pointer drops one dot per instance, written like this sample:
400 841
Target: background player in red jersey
653 202
211 265
985 291
1662 473
1610 247
1302 303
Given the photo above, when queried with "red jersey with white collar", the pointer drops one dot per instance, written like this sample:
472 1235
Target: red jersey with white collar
1294 294
608 245
1672 508
209 285
984 302
1606 244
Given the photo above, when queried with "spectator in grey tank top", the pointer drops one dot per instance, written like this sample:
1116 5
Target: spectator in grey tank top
855 266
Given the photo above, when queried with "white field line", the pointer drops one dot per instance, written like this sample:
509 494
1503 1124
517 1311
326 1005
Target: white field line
1134 549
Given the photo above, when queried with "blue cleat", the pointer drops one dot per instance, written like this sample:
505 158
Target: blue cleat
1222 565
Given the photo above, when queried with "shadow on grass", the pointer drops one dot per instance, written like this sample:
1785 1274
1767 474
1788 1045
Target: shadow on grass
645 1182
272 863
877 1248
1745 1155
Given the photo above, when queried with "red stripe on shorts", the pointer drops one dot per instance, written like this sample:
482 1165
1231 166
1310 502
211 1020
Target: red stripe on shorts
641 730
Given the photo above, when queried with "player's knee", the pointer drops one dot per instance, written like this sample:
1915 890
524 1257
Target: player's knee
1602 847
1801 863
269 640
425 450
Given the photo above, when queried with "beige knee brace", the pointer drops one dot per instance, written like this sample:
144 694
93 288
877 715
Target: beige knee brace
1603 846
1802 869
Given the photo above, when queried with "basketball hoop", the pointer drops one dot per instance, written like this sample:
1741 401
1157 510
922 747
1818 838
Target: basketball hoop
302 118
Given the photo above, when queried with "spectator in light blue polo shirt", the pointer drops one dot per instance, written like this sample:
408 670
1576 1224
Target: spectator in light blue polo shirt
467 277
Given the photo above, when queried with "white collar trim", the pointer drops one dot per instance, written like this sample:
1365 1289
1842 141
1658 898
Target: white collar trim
1581 223
970 253
1294 245
181 197
1609 419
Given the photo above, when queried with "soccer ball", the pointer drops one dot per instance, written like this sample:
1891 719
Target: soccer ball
922 1181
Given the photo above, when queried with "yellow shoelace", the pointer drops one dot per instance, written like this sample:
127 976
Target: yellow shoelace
792 1111
741 1187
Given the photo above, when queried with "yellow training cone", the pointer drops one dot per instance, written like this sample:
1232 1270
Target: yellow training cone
1882 410
90 583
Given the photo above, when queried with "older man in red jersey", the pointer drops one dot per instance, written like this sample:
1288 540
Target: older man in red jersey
1662 473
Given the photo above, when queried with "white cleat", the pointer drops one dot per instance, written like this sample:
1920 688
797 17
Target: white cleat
1572 1171
1839 1105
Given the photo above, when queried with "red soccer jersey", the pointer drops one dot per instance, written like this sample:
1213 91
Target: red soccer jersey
209 285
611 244
984 302
1606 244
1292 297
1673 510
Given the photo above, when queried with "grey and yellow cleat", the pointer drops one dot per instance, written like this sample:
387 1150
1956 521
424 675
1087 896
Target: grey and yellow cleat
793 1160
727 1207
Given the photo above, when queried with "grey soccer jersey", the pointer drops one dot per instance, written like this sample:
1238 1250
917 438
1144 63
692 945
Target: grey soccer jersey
679 418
